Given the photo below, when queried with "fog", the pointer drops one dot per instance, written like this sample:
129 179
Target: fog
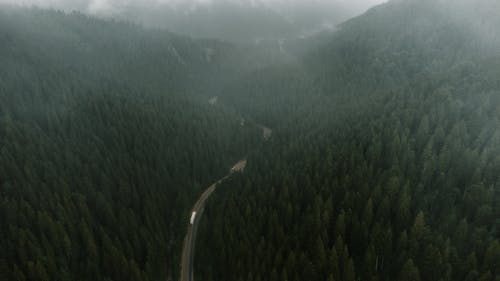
109 7
231 20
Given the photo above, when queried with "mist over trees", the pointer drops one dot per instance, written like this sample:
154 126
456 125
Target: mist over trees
103 147
233 20
384 162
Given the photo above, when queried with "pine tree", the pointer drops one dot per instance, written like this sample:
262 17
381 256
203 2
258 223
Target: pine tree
409 272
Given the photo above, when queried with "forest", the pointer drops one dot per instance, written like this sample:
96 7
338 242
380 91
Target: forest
100 163
384 162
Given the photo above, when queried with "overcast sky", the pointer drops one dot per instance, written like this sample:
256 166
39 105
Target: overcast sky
112 6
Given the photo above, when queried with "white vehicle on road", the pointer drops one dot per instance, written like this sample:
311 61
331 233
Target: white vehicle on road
193 216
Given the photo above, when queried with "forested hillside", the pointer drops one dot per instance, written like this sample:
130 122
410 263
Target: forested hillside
384 162
395 176
103 147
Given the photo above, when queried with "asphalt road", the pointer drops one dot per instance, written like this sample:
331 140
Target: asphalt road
190 239
188 249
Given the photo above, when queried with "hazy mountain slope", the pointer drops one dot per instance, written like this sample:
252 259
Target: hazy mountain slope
400 40
233 20
102 147
396 178
383 164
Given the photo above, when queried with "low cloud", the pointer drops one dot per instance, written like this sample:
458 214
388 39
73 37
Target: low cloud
109 7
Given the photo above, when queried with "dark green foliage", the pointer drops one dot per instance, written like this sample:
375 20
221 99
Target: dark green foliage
384 162
416 181
397 179
102 150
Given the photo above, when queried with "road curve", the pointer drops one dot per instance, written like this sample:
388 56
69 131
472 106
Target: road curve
190 239
188 249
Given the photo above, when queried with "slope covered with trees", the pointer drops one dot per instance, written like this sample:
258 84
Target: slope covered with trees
383 165
394 177
103 147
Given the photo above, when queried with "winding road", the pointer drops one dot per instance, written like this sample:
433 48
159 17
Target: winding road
188 249
190 239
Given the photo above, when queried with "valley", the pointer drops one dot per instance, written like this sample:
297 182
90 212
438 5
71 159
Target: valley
378 160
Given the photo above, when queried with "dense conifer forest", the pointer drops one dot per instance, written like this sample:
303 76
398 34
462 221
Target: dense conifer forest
394 177
384 162
102 148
